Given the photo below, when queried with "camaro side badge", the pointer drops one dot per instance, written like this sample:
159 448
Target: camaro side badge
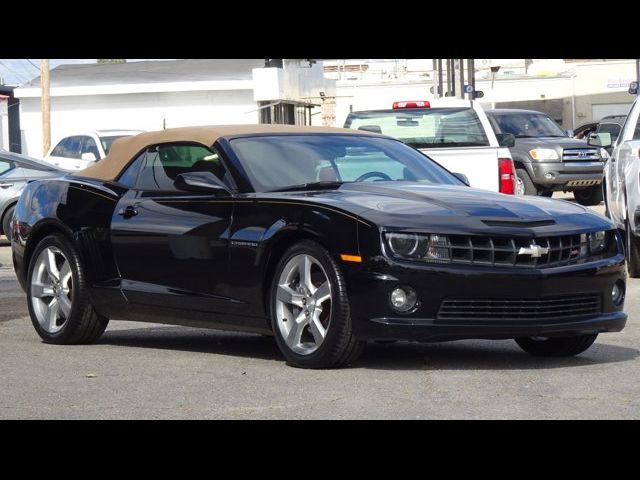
536 251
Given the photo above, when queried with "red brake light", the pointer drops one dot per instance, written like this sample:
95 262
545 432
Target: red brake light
411 104
507 176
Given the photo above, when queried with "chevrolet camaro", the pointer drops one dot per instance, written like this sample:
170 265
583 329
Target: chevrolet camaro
324 238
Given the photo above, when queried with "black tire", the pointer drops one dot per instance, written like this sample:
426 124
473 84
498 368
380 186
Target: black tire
546 193
557 347
84 324
529 187
6 221
589 196
632 251
339 348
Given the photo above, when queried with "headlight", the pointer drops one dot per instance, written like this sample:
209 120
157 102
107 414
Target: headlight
544 154
597 242
604 155
429 247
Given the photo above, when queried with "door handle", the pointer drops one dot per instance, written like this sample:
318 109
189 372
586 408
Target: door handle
6 185
128 212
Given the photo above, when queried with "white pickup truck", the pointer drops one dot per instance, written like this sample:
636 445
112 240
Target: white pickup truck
455 133
621 181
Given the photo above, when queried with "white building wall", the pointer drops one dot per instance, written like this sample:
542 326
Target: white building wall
143 111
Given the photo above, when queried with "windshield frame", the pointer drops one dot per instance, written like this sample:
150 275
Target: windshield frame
243 180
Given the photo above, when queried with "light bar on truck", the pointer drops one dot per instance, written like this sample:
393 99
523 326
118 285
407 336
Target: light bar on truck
411 104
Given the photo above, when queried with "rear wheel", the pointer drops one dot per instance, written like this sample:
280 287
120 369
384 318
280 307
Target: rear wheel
310 314
556 347
589 196
632 251
57 295
6 221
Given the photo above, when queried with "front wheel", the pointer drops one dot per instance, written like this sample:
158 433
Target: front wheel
589 197
6 222
632 251
310 314
556 347
57 294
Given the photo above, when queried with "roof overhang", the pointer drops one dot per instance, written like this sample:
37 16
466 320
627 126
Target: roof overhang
119 89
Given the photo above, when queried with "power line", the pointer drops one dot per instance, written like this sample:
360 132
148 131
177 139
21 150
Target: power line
35 66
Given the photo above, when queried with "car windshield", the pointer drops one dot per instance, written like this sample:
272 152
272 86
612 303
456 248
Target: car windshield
108 141
424 127
526 125
277 162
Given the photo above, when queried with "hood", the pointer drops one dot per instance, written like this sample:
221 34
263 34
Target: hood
456 209
562 142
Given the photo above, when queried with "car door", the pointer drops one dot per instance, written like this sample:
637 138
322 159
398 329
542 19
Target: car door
619 167
171 246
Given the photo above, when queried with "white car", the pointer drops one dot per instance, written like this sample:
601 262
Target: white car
78 151
455 133
621 181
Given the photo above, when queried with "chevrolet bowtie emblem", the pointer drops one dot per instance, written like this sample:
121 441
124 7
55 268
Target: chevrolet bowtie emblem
536 251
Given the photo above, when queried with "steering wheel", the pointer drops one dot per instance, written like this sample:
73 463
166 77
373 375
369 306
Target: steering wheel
369 175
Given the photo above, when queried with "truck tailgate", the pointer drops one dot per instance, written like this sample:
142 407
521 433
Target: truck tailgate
479 164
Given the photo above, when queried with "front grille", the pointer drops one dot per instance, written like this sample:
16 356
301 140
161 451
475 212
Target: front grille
544 308
580 155
505 251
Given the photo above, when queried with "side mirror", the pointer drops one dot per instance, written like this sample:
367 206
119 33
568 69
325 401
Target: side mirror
201 182
463 178
633 88
88 157
602 139
569 133
506 139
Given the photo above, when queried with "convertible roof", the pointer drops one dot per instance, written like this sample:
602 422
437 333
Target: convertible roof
125 149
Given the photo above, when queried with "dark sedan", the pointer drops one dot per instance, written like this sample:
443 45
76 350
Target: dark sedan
325 238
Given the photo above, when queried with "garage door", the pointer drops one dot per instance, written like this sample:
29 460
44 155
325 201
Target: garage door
604 109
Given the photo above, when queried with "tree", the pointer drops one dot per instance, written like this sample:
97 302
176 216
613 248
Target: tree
112 60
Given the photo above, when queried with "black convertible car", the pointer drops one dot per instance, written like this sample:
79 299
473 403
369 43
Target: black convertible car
323 237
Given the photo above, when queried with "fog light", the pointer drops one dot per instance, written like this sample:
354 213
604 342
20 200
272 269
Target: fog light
549 175
403 299
617 293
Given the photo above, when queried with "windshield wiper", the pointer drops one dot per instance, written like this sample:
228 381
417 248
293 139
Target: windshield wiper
308 186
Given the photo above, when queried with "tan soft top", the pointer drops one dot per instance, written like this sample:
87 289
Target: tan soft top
125 149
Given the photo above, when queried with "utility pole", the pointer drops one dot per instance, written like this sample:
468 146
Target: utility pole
46 105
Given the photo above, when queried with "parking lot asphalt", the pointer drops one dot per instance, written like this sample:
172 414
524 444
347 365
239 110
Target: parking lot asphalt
151 371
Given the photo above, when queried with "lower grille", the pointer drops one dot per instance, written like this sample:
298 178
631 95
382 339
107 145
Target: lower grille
544 308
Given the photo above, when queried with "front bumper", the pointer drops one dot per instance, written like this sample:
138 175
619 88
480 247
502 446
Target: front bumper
566 172
373 317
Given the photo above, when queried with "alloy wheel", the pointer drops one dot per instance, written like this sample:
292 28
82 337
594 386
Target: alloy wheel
303 304
52 289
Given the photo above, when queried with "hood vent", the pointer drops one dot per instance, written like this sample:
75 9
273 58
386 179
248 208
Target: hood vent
524 224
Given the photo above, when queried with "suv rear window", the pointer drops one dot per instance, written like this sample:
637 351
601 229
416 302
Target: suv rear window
424 127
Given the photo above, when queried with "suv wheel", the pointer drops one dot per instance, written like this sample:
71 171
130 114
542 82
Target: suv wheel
524 184
589 196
